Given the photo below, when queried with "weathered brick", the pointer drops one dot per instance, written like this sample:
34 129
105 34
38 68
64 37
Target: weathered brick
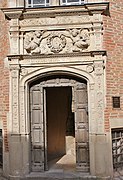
4 73
113 44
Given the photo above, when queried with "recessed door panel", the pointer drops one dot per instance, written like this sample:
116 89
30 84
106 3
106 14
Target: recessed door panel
81 127
37 139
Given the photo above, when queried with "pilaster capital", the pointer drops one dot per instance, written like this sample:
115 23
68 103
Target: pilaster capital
14 63
14 66
99 67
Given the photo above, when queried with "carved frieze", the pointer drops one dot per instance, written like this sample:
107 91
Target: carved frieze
58 20
47 42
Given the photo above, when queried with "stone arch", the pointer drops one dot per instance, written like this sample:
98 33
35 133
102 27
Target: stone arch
33 76
24 85
61 70
38 127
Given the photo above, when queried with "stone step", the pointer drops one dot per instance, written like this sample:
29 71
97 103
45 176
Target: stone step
77 178
60 178
63 176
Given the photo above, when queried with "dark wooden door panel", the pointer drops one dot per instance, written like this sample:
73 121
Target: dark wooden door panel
81 127
37 139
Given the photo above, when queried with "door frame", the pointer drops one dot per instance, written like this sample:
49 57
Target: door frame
43 86
20 122
45 117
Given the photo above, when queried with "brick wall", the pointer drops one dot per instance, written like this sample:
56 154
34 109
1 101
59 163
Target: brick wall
4 74
113 44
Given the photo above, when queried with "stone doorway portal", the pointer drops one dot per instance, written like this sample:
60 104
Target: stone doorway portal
59 125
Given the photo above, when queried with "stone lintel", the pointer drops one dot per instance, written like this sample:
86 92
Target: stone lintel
52 11
37 56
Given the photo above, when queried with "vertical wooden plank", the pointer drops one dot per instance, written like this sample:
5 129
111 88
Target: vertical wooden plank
81 127
37 139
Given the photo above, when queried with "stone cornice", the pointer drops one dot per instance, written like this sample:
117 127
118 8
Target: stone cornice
90 53
88 8
13 13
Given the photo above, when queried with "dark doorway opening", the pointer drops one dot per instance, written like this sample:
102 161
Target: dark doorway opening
60 128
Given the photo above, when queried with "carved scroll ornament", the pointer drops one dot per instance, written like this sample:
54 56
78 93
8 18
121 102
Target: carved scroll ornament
56 41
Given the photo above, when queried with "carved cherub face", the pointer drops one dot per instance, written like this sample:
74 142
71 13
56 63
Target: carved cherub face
74 32
38 34
84 34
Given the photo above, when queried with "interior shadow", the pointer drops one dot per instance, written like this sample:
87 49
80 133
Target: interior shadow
60 128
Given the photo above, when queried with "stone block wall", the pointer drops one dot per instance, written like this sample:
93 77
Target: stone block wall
4 74
113 44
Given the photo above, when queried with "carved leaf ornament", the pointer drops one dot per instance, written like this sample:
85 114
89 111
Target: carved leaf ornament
56 42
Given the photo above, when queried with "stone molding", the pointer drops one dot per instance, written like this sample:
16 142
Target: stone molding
89 8
58 21
40 56
96 93
13 13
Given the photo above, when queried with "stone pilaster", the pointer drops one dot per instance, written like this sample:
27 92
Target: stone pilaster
100 139
15 147
99 96
14 99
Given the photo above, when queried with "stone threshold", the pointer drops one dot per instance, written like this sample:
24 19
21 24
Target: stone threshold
61 175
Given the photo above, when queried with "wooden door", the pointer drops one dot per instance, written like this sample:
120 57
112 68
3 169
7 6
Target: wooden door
81 127
37 135
39 120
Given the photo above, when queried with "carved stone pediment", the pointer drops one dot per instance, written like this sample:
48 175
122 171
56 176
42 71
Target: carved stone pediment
47 42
